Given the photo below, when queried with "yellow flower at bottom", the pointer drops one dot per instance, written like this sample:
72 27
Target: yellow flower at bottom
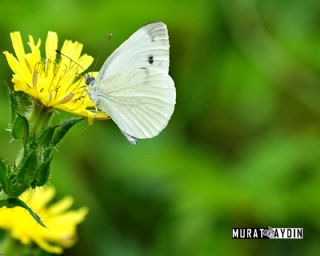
55 81
60 222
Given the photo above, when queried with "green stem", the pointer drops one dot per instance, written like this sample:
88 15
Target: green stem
8 246
40 119
12 247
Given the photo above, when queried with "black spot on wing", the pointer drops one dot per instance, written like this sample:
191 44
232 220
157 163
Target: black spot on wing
150 59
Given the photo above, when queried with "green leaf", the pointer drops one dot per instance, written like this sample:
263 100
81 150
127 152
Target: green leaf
25 175
3 176
64 128
14 202
20 129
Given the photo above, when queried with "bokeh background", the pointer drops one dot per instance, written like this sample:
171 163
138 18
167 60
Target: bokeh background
241 150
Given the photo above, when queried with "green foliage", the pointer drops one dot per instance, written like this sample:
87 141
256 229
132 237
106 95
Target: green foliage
20 128
3 176
39 137
63 128
20 103
42 175
14 247
46 137
242 148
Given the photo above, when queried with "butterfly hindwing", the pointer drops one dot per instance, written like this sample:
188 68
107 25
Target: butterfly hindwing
140 101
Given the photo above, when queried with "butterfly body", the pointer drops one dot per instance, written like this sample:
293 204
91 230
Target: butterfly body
134 87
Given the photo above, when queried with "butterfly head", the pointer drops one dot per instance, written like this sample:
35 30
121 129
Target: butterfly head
89 80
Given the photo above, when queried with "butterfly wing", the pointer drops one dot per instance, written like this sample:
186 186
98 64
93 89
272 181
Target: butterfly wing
139 100
133 85
148 47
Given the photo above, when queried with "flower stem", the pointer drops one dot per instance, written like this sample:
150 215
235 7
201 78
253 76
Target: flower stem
40 119
12 247
7 246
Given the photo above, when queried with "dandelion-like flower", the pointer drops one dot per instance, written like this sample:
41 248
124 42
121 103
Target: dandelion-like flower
55 81
60 222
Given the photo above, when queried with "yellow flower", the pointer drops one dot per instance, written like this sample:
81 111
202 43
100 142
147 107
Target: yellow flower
60 223
55 81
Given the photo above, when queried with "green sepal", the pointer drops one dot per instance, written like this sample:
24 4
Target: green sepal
64 128
3 176
25 174
20 129
13 102
47 135
42 175
14 202
27 171
20 102
43 171
31 145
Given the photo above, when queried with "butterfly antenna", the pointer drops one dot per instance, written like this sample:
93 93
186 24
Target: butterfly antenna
97 59
85 72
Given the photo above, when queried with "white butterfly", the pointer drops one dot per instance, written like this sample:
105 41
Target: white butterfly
133 85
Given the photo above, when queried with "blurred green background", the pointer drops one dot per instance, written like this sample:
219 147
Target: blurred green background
241 150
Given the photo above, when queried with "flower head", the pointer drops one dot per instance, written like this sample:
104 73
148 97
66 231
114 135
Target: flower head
55 81
60 223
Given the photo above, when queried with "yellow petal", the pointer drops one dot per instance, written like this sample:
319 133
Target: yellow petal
18 45
19 85
40 199
61 206
12 61
19 69
72 49
55 83
48 247
35 55
51 45
61 223
85 61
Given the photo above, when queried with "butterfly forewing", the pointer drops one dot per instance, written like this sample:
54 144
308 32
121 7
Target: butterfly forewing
146 48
